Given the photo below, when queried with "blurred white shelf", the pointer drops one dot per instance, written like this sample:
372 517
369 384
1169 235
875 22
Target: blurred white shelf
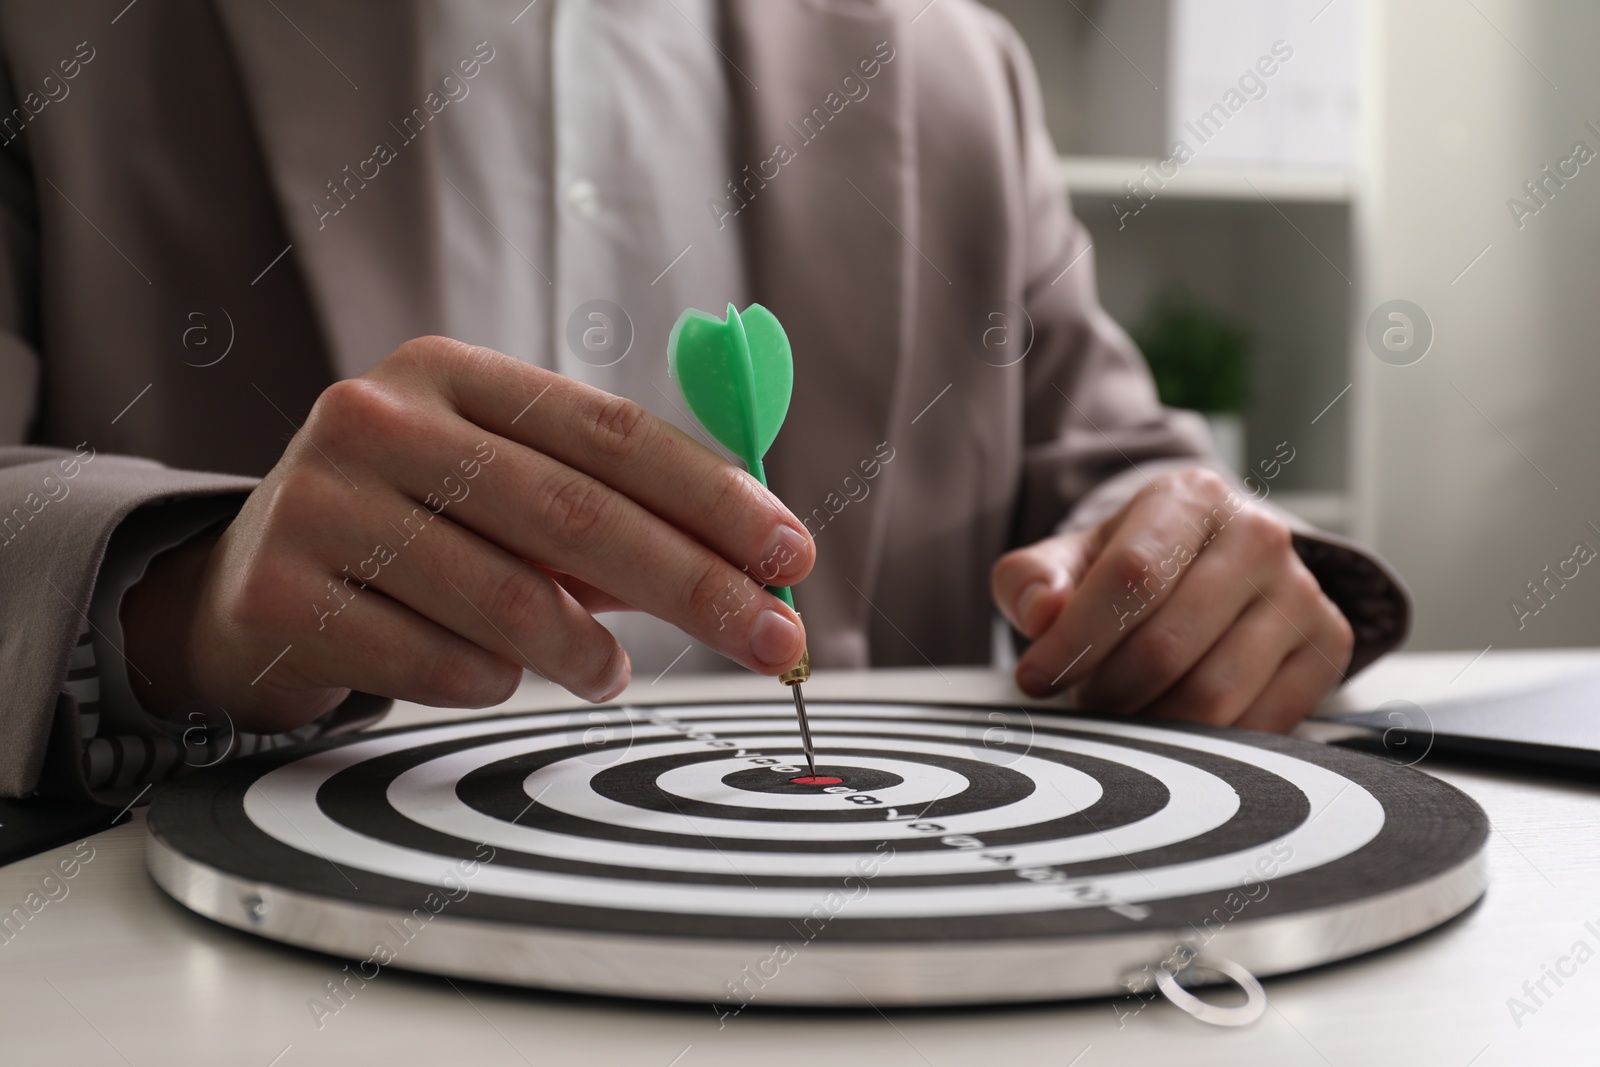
1329 509
1107 175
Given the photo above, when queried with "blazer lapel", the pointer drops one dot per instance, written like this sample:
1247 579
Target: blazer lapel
329 88
825 182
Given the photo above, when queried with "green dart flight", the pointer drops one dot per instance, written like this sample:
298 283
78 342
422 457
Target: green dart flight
737 375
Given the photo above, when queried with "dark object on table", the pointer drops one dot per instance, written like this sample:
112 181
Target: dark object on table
1557 724
28 827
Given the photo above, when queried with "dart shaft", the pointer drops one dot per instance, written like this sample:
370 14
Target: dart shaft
792 678
805 728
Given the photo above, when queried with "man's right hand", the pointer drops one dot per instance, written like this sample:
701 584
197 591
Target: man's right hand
447 519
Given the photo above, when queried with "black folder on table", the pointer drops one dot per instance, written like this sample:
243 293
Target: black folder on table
1556 723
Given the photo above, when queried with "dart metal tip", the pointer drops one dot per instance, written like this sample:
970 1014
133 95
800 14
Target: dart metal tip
792 679
805 728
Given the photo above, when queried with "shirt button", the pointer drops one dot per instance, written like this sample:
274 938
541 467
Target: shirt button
583 197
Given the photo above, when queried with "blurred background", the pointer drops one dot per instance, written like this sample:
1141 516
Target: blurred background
1364 235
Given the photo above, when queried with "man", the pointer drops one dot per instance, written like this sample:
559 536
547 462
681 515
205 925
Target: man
229 224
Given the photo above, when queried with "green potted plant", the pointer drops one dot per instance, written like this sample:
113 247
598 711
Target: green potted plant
1200 359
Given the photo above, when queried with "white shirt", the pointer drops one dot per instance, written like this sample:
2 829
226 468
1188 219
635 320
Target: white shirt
581 257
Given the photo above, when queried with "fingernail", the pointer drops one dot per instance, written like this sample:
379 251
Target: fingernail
774 639
1033 681
1031 595
619 681
783 553
617 687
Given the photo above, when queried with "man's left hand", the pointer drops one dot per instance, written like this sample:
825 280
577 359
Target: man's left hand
1189 603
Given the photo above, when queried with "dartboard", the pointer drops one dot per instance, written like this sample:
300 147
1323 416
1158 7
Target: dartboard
941 854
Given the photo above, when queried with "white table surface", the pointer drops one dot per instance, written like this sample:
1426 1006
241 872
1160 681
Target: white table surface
116 973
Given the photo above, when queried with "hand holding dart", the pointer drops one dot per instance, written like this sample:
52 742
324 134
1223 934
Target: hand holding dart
737 375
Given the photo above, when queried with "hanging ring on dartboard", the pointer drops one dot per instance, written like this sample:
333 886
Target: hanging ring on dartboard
1212 968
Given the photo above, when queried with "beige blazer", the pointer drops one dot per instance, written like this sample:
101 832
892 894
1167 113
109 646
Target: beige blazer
168 164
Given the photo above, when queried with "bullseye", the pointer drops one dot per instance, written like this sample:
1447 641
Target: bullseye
819 779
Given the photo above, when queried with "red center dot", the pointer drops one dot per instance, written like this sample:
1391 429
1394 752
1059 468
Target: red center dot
807 779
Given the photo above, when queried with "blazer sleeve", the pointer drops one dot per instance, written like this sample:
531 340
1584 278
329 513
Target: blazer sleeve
1094 429
59 508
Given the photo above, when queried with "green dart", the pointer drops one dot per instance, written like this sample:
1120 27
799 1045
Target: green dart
736 375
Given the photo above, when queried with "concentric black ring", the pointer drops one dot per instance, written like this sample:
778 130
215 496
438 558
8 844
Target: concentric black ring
764 780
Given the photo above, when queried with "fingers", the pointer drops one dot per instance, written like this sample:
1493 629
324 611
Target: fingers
1187 604
660 523
538 509
1130 578
616 442
1210 594
1260 661
1031 585
1312 669
593 600
376 645
1233 673
288 665
482 593
1294 692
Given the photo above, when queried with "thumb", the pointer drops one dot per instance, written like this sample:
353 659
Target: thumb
1031 585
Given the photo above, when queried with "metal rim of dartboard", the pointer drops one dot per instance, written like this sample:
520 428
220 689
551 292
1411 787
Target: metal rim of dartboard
1104 847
